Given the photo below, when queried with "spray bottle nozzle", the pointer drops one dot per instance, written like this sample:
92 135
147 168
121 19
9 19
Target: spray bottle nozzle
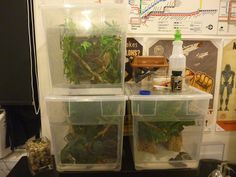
178 36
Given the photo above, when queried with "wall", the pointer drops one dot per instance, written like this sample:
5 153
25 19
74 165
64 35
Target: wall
228 138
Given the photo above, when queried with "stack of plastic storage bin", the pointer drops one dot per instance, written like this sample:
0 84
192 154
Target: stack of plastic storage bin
86 48
167 127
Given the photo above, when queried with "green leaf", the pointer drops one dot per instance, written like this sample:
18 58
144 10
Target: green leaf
105 41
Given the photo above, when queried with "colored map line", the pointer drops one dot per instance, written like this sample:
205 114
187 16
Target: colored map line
140 6
181 14
201 4
157 2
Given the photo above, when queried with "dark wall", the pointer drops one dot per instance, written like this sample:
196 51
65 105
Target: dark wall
15 55
18 86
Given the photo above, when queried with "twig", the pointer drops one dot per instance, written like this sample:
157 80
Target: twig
86 66
152 126
103 132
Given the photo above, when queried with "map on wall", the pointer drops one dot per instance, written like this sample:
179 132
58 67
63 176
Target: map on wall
227 17
226 116
192 17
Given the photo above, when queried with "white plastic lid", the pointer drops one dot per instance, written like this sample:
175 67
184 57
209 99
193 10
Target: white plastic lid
190 93
82 3
86 98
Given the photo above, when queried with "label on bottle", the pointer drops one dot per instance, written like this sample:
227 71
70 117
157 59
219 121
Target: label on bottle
176 83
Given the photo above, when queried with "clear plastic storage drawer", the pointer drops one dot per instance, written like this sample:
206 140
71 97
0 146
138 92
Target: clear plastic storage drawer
87 132
86 46
167 128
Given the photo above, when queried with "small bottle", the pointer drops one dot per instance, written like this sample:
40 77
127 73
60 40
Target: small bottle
177 60
176 81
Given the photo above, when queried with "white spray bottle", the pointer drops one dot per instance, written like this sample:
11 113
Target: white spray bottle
177 61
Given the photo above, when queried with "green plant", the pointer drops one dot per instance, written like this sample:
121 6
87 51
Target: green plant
162 131
92 137
95 58
165 129
90 144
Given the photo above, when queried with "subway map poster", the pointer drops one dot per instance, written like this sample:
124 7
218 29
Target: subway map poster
192 17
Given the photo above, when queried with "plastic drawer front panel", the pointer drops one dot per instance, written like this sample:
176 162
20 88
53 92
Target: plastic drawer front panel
167 129
170 110
87 132
85 109
166 144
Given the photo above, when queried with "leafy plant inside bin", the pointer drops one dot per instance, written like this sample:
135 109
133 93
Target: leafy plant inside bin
165 129
167 133
92 138
90 144
93 59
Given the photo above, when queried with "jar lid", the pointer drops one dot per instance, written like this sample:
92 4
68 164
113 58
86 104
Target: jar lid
144 92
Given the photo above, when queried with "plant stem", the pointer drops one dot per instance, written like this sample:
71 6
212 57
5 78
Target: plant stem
152 126
103 132
86 66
